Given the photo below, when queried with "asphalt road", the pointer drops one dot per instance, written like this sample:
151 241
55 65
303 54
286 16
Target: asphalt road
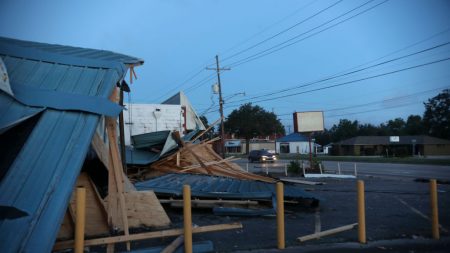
397 213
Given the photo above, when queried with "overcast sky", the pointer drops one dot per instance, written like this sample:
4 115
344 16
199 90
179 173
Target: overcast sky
389 56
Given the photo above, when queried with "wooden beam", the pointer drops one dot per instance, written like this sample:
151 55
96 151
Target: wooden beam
207 129
118 171
327 232
177 138
148 235
212 140
174 245
209 163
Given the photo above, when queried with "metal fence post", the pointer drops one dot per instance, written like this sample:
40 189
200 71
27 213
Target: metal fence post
187 219
434 209
361 213
280 216
80 219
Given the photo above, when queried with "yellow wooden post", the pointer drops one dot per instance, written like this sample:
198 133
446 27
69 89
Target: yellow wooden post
187 219
434 209
80 219
361 213
280 216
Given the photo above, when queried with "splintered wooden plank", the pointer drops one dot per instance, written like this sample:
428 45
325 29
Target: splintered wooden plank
144 209
118 171
148 235
96 220
66 231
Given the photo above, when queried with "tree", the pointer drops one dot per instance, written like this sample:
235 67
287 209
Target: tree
414 125
437 115
250 121
396 126
344 130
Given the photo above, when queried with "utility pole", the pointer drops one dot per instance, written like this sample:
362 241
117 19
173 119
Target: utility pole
222 130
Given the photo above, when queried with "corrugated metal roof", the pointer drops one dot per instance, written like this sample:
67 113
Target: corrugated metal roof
384 140
293 137
67 55
42 176
218 187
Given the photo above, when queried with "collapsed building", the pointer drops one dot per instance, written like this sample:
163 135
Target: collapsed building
62 127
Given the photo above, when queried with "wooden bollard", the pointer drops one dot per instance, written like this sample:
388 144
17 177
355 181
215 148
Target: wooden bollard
187 219
434 209
361 213
80 219
280 216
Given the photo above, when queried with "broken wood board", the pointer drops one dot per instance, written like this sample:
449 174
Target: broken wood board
96 218
299 181
66 231
148 235
198 203
174 245
144 209
327 232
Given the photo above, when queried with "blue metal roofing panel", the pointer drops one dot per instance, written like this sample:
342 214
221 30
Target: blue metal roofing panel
218 187
41 178
65 54
293 137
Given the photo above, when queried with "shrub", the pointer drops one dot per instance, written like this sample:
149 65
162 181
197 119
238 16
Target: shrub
294 167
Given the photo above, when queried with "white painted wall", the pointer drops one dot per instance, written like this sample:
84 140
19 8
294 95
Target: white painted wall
144 118
301 147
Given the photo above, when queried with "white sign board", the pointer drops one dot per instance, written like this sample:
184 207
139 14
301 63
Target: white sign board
308 122
394 138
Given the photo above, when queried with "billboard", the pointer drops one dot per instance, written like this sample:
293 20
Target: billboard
308 122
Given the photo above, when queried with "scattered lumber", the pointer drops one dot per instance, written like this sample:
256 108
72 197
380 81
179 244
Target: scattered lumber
327 232
149 235
200 158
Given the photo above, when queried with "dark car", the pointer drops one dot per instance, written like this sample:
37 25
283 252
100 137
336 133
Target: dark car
261 156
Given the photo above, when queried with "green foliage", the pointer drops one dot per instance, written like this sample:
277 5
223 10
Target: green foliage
250 121
294 167
437 115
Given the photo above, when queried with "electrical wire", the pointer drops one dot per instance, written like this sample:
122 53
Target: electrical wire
357 80
283 31
348 73
278 48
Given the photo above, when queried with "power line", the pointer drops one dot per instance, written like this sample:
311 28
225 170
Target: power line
191 77
378 101
283 31
277 47
268 27
336 75
348 73
200 83
357 80
373 110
